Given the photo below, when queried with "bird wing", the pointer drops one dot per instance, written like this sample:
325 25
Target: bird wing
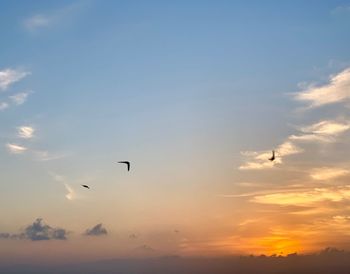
125 162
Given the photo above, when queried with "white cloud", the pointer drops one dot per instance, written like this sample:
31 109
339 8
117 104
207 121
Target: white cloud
324 131
327 128
19 98
70 192
37 21
15 149
10 76
337 90
53 17
327 173
259 160
26 132
3 105
305 197
70 195
311 138
43 155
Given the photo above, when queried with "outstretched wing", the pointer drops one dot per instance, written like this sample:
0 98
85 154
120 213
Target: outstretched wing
125 162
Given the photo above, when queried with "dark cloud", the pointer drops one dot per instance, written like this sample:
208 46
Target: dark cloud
5 235
38 231
145 247
97 230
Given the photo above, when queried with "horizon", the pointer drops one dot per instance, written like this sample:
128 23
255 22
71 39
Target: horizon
197 96
326 261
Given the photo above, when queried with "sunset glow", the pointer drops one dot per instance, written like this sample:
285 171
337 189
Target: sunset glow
173 129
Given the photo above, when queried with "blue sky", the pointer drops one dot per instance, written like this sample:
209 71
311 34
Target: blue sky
182 89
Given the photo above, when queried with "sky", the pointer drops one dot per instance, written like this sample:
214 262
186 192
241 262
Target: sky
196 95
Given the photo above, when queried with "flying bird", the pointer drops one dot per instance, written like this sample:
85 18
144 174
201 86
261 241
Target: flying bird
273 156
125 162
86 186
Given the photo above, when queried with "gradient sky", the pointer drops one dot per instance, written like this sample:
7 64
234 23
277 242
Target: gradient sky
195 94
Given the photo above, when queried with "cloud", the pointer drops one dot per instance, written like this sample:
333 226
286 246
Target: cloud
10 76
19 98
323 131
15 149
37 21
97 230
335 91
3 106
43 155
311 138
341 10
12 236
259 160
5 235
48 19
341 219
70 195
25 132
145 248
38 231
326 173
305 197
330 128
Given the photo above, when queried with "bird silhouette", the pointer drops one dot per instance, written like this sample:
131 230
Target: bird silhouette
125 162
86 186
273 156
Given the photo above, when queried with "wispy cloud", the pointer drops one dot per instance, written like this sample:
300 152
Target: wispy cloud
323 131
19 98
50 18
259 160
70 195
327 128
15 149
3 106
335 91
10 76
305 197
25 132
70 192
327 173
44 155
37 21
341 10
